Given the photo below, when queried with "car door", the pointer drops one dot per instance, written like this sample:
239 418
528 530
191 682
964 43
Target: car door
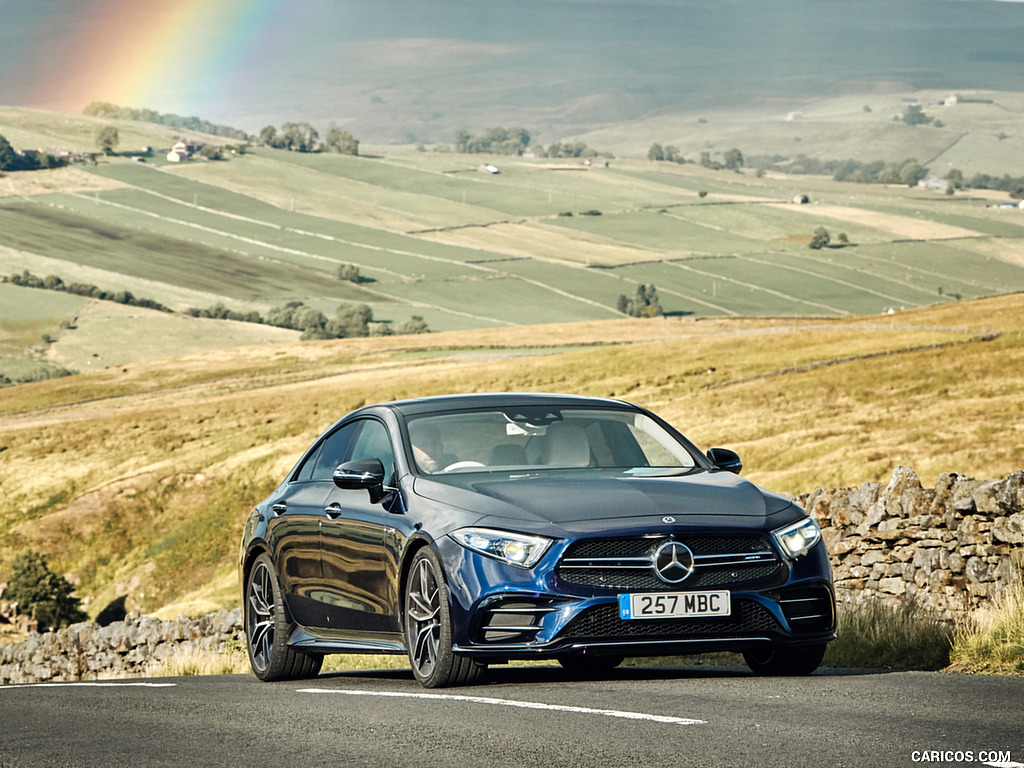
294 528
354 535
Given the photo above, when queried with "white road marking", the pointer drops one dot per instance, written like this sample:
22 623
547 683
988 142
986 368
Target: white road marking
91 684
513 703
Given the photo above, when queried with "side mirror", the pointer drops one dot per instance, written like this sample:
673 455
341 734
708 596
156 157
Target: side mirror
725 459
361 473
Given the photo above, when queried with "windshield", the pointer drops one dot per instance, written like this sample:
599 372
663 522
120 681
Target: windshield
534 438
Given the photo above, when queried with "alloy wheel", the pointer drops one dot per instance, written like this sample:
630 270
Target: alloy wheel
424 617
259 616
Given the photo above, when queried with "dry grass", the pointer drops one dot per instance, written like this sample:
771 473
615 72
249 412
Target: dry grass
901 226
991 641
877 635
190 661
135 480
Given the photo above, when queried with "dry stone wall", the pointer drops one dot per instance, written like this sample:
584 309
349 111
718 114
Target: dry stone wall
135 647
952 548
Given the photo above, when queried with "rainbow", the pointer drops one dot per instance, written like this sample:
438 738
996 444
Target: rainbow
184 56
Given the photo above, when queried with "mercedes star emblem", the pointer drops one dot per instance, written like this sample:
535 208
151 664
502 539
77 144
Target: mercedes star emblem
673 562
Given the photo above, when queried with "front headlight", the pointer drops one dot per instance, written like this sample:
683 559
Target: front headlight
798 538
512 548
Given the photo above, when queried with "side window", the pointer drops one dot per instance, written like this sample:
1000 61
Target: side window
373 442
305 472
333 452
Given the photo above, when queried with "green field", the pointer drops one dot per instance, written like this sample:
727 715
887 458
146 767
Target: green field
539 242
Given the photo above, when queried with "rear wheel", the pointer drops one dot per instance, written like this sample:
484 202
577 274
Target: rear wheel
428 627
267 628
775 661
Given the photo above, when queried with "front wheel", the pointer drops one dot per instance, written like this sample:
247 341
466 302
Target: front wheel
267 628
428 627
774 661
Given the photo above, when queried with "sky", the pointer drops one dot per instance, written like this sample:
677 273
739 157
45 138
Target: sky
413 68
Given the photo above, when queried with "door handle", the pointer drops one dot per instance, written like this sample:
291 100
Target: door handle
280 508
333 510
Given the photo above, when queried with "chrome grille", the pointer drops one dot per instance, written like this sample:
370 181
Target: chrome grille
720 560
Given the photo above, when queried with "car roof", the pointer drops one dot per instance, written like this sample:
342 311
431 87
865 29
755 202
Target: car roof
440 403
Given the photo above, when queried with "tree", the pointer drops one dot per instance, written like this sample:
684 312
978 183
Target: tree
268 137
707 162
673 155
415 324
351 320
8 157
342 142
656 153
645 303
350 273
569 149
499 141
914 115
41 593
912 172
733 159
299 137
820 239
107 138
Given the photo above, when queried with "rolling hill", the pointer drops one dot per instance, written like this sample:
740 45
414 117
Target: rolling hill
539 242
136 479
822 367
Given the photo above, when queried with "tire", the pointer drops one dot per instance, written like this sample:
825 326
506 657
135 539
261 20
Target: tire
428 627
267 628
774 661
590 665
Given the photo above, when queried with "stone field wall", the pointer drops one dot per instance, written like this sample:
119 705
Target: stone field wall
135 647
953 548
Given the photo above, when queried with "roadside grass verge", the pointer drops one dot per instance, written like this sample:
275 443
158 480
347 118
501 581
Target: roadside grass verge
991 641
189 662
877 635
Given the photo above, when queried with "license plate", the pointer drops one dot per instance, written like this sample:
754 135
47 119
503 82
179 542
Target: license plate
673 605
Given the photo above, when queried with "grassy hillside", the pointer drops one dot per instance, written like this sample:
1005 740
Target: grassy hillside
979 134
540 242
135 480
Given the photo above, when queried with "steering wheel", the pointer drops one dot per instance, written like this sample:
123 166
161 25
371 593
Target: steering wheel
462 465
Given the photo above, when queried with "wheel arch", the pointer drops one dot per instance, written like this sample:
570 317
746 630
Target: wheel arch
416 544
255 549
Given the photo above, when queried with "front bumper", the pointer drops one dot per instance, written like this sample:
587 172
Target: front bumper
500 612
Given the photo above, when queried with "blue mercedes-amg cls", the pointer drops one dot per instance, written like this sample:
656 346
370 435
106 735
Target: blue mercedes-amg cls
469 530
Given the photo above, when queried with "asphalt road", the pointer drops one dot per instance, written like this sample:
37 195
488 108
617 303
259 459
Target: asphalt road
523 717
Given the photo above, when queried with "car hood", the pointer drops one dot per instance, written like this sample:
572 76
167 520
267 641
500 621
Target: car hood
554 498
